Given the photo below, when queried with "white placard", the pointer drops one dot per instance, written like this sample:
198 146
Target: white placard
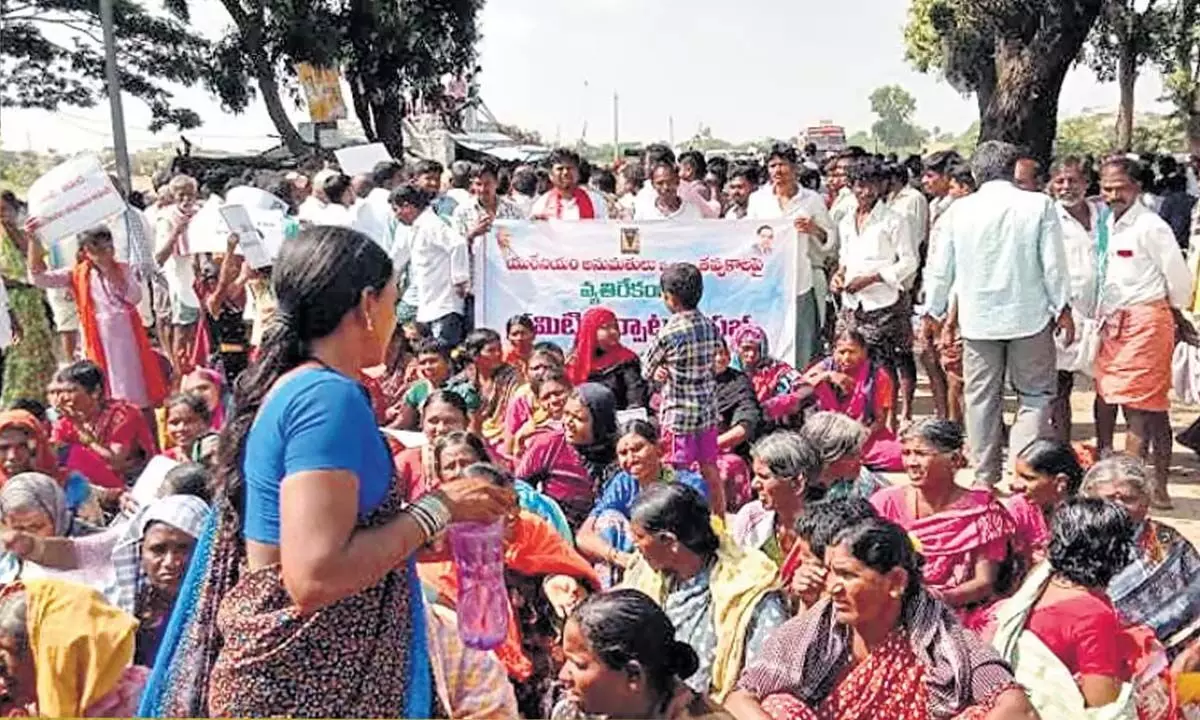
149 483
624 416
72 197
362 159
260 233
254 199
206 233
407 438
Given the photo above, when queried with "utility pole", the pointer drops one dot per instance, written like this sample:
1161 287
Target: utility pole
114 97
616 128
671 131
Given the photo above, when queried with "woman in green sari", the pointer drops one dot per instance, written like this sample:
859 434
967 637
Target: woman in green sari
29 364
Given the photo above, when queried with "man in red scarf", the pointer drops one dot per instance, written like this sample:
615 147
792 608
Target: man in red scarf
566 200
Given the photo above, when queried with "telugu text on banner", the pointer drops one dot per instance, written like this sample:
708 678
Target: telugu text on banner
554 271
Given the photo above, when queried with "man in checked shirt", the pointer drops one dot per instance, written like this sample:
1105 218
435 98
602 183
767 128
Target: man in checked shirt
682 357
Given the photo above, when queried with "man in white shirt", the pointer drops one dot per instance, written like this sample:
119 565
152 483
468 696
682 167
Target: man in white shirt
523 188
647 196
1080 220
1001 249
668 205
178 265
784 197
473 220
878 261
910 204
742 182
1144 277
566 200
439 268
459 189
312 210
373 214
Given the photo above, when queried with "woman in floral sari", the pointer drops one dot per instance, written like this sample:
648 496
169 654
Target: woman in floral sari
852 384
28 365
965 535
1161 587
879 647
780 390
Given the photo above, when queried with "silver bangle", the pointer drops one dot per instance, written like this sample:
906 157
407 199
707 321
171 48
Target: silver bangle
431 514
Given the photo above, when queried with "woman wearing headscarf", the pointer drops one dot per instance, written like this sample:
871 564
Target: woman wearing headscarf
32 503
879 645
599 357
780 390
24 446
572 464
741 420
210 385
66 652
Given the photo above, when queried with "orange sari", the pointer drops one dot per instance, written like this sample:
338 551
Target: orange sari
81 285
535 549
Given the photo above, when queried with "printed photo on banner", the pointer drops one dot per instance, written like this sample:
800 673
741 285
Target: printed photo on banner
556 271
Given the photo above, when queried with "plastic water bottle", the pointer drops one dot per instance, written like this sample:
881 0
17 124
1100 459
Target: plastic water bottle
483 610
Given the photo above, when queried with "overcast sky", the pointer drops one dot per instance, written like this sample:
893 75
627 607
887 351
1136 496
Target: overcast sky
747 70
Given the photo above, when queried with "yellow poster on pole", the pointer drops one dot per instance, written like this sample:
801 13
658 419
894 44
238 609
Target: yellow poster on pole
322 92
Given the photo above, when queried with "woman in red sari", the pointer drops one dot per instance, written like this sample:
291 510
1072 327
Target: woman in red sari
599 357
965 535
93 425
879 647
521 337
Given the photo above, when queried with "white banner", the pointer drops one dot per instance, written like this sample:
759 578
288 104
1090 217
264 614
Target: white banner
554 271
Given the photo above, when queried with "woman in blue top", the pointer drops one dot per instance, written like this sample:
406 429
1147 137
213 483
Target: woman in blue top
302 599
605 536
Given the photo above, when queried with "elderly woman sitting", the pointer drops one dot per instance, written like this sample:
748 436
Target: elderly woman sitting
1161 587
879 646
785 466
839 440
723 601
34 504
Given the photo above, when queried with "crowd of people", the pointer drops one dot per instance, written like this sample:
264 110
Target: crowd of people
699 530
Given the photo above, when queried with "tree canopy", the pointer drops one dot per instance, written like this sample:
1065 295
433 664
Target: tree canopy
895 107
52 56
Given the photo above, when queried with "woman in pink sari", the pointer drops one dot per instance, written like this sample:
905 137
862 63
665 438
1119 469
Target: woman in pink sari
963 534
1047 472
850 383
778 387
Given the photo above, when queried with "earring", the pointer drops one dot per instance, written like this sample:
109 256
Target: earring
895 594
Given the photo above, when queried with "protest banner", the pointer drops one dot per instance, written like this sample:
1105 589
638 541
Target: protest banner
322 92
72 197
554 271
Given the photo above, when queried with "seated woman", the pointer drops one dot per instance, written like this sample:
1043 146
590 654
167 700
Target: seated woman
113 337
779 388
210 385
741 418
879 646
535 558
189 428
493 382
67 652
546 357
33 504
387 383
455 451
723 601
785 464
442 413
1059 631
1160 588
966 536
91 424
851 383
471 684
622 661
839 440
599 357
433 371
570 465
605 536
25 448
550 389
521 337
1047 472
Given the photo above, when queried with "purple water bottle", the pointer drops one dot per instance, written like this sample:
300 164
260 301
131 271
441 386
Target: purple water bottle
482 597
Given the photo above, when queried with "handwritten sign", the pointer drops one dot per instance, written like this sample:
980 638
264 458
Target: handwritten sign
205 232
260 233
72 197
253 198
362 159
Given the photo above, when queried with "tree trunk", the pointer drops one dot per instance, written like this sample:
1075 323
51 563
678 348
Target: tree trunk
264 75
1018 96
1127 71
389 111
